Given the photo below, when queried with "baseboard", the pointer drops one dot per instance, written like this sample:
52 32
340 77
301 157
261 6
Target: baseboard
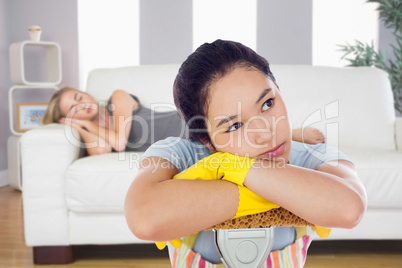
3 178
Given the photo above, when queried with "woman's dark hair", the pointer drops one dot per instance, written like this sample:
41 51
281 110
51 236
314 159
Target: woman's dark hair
210 62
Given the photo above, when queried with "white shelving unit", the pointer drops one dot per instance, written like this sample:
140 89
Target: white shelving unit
17 63
11 102
18 74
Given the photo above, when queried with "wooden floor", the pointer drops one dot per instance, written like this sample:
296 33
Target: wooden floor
322 254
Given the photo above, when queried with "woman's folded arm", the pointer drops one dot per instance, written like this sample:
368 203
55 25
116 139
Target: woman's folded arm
158 208
330 196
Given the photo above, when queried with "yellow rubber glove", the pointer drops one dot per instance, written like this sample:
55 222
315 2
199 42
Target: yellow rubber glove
176 243
321 231
233 168
251 203
219 166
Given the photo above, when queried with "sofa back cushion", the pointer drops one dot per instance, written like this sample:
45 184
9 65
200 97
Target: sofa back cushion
353 107
152 84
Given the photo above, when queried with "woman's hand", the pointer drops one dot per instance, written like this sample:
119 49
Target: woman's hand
72 122
308 135
94 144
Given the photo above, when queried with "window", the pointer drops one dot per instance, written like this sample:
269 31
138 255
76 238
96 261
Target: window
108 33
225 19
337 22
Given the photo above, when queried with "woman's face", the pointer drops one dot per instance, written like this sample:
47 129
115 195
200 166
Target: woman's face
78 105
247 116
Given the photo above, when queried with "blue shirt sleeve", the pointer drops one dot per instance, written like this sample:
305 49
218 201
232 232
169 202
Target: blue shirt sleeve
184 153
180 152
311 156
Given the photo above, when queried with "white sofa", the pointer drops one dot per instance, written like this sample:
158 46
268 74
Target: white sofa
72 200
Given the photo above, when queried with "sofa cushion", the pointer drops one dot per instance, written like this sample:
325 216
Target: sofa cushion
351 106
381 174
152 84
99 183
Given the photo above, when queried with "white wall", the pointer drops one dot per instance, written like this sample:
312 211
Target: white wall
58 20
284 31
165 31
386 38
4 85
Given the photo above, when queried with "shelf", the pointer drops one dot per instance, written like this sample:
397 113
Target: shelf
11 102
53 63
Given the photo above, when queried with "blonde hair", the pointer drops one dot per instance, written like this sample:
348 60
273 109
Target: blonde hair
53 112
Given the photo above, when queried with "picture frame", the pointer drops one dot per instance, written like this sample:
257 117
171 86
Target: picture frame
29 115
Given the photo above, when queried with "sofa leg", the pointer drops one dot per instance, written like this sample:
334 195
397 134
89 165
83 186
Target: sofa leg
53 255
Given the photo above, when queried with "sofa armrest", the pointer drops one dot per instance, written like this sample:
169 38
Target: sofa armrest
398 133
46 153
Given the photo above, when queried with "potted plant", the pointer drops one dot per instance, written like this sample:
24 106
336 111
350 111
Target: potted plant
361 54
